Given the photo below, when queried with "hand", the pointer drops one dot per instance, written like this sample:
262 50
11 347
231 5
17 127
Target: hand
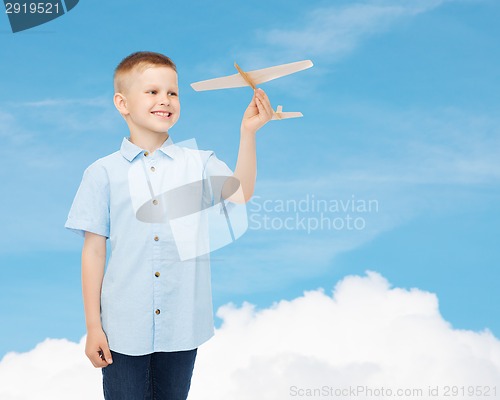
97 349
258 112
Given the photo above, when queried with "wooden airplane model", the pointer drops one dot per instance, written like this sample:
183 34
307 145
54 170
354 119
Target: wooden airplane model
254 78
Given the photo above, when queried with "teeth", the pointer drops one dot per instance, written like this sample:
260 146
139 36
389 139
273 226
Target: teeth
162 114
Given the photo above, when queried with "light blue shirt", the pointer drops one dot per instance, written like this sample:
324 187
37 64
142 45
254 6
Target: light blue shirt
153 298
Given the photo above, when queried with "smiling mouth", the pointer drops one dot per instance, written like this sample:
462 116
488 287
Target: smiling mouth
162 114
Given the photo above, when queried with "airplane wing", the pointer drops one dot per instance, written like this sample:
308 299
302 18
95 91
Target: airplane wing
257 76
285 115
268 74
226 82
279 114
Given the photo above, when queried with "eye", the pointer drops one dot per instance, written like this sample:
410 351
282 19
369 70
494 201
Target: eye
172 93
152 91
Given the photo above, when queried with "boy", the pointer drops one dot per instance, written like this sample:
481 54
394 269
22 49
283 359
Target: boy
151 309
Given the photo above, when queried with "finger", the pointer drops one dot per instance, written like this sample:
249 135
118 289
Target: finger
262 93
265 111
260 106
96 360
263 96
265 101
252 109
107 354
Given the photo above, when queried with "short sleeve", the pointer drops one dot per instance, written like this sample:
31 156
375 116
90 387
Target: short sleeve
90 209
214 172
216 167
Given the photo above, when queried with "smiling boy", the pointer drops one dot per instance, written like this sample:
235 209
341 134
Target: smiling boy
148 310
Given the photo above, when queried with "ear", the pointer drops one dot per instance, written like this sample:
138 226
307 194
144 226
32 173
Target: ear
120 103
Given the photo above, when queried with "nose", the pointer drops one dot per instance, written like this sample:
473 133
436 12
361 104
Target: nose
164 100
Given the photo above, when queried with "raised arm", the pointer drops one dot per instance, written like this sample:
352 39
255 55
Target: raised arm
93 262
257 114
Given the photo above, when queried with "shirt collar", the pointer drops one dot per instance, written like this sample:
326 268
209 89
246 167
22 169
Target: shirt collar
130 150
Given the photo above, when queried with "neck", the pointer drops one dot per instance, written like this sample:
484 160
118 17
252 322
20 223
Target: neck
149 142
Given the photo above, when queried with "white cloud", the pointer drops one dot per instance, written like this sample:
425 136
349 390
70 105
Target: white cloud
365 334
335 31
55 369
328 33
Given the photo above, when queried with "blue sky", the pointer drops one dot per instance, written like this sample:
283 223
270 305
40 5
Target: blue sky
401 107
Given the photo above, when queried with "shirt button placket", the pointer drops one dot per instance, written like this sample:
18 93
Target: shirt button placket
156 267
157 296
158 293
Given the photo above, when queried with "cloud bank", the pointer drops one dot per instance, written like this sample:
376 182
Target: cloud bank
55 369
365 335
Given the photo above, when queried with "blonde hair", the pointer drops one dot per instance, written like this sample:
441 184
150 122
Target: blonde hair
139 61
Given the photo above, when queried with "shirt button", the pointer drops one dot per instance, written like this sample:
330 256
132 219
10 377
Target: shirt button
153 169
155 202
157 311
146 153
157 274
156 238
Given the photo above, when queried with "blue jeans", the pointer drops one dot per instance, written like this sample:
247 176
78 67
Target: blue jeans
156 376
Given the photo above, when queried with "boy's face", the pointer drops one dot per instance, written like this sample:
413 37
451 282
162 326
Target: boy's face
152 100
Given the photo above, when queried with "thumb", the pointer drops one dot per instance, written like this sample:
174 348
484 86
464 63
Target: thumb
107 354
252 101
